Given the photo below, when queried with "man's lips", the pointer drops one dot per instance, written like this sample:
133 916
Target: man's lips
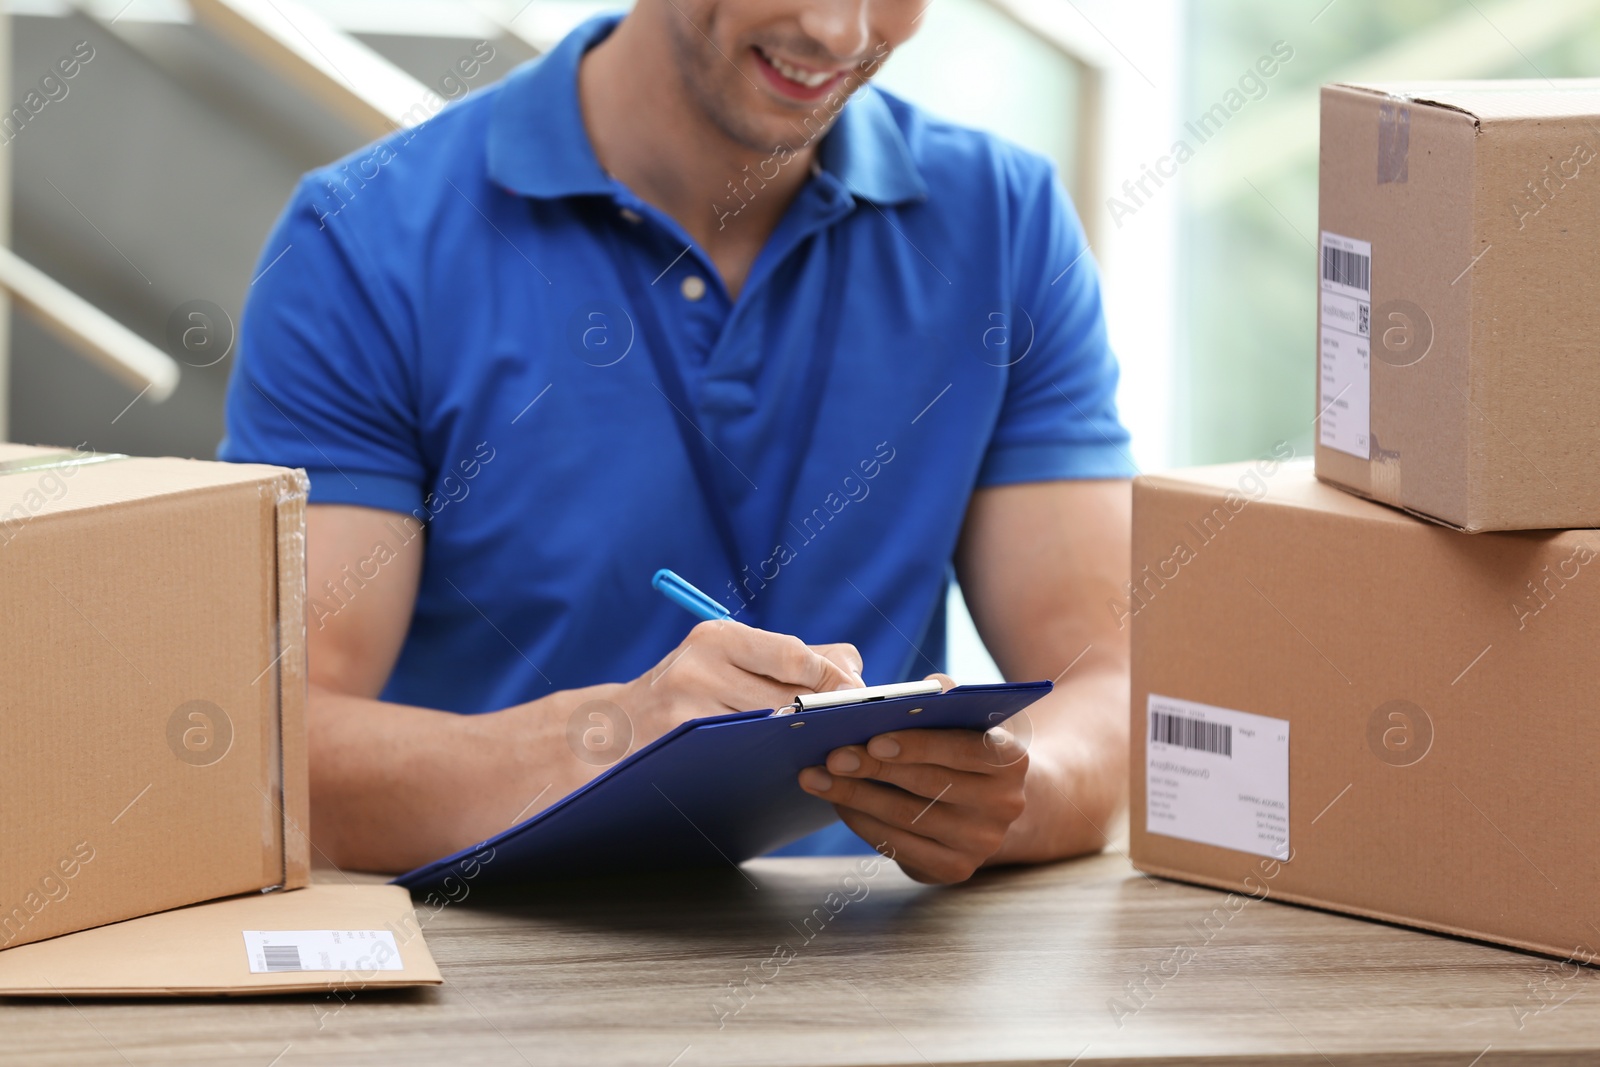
794 81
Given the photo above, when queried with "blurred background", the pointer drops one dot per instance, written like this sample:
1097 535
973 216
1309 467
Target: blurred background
141 188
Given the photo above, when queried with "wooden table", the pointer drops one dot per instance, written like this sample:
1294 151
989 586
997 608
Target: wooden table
1030 966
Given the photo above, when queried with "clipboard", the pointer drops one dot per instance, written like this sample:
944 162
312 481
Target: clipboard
711 792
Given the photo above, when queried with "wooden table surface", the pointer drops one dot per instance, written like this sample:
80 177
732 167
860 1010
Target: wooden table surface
1024 966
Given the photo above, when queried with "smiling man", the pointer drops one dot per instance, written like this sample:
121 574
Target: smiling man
688 292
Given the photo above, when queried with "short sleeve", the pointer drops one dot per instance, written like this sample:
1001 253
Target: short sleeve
1059 416
324 379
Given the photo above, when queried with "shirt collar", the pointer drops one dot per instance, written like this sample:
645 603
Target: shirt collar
866 152
539 148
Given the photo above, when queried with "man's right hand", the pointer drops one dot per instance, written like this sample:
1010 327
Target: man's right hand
393 786
725 665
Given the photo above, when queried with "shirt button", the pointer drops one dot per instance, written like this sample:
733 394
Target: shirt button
693 287
632 215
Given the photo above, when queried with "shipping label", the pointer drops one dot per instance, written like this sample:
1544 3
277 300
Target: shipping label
1345 336
358 951
1217 776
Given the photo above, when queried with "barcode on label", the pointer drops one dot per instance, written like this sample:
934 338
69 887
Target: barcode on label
1197 734
1346 268
321 950
282 957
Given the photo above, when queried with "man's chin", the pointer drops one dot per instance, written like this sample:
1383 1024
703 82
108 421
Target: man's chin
777 131
790 124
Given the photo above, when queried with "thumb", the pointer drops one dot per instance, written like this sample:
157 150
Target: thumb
835 677
846 658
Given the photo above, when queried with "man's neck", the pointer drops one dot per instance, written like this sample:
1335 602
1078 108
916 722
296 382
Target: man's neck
651 135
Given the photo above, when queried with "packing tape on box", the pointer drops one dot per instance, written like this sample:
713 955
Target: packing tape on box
56 460
289 494
1384 474
1394 142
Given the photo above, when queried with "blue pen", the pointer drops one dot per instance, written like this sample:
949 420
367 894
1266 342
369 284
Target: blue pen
687 596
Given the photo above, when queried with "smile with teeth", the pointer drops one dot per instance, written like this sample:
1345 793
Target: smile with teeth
798 75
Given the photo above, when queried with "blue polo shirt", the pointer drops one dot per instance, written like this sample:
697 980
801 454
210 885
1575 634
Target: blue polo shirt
444 326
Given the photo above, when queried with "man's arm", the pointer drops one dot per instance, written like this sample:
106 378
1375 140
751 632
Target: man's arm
1037 563
395 786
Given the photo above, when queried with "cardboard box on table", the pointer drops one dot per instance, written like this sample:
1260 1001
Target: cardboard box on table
1335 703
152 650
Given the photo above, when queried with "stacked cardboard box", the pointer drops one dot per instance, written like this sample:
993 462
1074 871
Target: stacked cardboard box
1389 714
153 707
1458 329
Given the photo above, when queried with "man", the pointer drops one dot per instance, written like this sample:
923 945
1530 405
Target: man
663 298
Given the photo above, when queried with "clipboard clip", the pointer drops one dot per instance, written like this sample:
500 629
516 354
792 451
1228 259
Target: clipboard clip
815 701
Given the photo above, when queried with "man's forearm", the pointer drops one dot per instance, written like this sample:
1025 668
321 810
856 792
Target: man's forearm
1037 561
1078 769
394 786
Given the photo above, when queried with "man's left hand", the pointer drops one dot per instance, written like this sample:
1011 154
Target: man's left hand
938 801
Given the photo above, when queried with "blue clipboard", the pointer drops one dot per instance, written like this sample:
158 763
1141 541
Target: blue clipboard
714 791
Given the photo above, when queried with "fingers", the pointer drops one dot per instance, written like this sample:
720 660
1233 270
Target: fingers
894 806
727 666
948 683
699 681
919 779
922 858
960 750
944 799
906 794
782 658
846 657
823 674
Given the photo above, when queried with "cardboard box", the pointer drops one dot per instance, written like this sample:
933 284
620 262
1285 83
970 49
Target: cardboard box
210 950
1335 703
152 711
1459 334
